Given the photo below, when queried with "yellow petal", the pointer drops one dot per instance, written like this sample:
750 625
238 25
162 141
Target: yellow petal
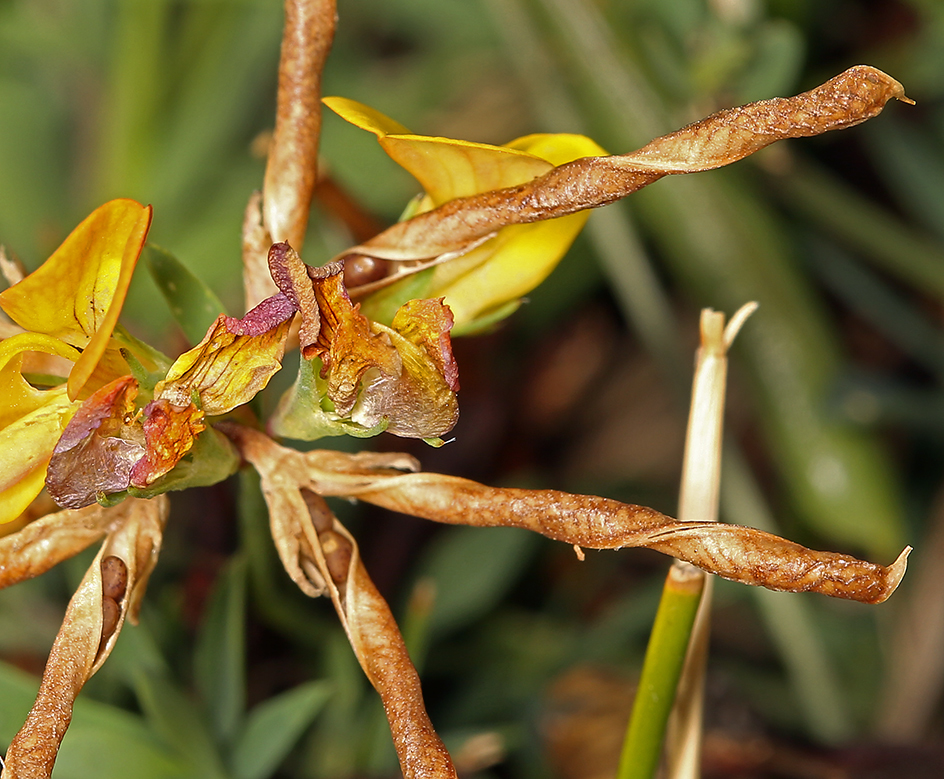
234 361
558 148
77 294
25 447
445 168
16 499
505 268
497 273
17 396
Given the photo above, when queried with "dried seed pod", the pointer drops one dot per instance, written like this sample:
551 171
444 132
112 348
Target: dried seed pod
727 136
114 586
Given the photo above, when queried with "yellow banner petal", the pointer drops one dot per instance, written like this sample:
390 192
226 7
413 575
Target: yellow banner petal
77 294
498 272
445 168
505 268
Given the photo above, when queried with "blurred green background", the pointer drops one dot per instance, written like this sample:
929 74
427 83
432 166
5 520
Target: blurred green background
528 656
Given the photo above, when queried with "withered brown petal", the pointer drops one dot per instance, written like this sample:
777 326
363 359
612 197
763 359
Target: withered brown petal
47 541
347 345
427 323
97 450
169 433
233 362
853 96
81 647
290 275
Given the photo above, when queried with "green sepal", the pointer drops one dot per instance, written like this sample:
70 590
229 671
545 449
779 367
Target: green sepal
148 365
305 412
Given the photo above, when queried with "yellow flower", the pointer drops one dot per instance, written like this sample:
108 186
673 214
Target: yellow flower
68 308
485 284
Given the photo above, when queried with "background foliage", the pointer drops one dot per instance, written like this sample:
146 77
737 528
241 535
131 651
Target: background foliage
527 654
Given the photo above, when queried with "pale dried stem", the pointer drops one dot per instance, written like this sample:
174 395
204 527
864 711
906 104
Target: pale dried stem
698 500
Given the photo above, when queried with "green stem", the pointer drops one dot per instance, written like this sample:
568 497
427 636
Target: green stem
665 658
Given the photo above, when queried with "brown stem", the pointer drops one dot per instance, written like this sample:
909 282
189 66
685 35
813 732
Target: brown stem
292 169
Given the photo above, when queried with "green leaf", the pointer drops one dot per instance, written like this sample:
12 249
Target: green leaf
102 741
471 568
274 727
220 655
174 718
194 305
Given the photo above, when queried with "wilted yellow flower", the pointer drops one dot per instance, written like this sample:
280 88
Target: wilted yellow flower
486 283
68 308
357 376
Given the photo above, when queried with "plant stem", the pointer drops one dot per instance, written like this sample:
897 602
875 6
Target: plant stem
662 668
678 644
